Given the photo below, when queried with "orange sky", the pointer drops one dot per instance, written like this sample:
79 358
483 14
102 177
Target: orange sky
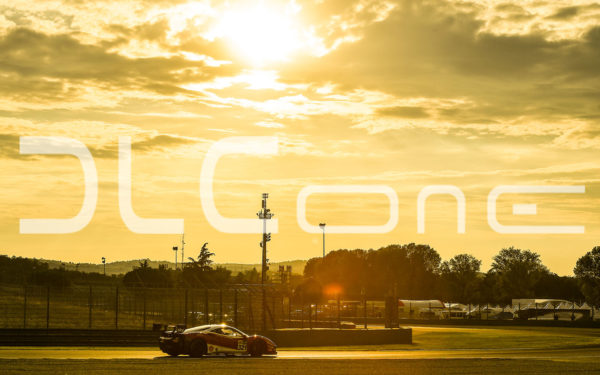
397 93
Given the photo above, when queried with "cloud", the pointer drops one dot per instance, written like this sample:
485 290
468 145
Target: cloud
269 124
403 111
507 79
9 147
565 13
34 58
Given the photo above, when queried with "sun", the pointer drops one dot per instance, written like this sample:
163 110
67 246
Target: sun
259 34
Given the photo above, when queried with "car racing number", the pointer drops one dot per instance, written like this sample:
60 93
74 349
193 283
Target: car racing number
241 345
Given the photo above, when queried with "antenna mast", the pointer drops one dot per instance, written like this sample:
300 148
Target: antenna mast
182 247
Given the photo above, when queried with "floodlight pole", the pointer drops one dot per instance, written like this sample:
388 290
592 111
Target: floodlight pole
264 214
175 248
322 225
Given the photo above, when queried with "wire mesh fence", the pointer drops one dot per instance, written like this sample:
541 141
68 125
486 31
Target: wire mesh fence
106 307
249 307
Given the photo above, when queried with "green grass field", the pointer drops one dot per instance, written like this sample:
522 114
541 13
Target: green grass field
436 350
439 338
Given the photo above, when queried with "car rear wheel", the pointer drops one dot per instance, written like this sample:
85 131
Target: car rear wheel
258 349
173 353
198 348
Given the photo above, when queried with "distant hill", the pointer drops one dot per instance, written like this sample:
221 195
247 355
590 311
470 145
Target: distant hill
122 267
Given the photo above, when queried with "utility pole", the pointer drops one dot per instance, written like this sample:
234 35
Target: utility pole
175 248
104 264
264 214
182 247
322 225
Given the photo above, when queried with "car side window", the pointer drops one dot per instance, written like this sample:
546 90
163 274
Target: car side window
229 332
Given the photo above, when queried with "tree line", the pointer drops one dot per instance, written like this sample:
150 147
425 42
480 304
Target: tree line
414 271
198 272
410 271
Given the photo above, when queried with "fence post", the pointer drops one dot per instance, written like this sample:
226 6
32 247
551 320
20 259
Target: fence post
290 310
250 314
144 309
220 305
206 306
235 308
273 310
365 310
25 307
117 308
90 302
185 307
48 307
339 321
310 315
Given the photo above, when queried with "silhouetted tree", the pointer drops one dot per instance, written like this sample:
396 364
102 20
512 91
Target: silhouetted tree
551 285
309 291
412 268
146 276
347 268
587 270
517 272
247 277
460 276
203 261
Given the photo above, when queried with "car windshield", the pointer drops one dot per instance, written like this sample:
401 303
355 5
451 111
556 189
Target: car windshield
197 329
229 331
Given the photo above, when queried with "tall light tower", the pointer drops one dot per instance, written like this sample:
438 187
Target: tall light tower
322 225
264 214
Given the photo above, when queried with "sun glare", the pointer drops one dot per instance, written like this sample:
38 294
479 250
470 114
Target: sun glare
260 34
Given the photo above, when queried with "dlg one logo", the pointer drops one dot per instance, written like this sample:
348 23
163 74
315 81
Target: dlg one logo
256 146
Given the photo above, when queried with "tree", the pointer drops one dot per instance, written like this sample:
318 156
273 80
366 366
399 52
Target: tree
517 272
203 263
413 269
146 276
587 271
247 277
346 268
461 277
309 291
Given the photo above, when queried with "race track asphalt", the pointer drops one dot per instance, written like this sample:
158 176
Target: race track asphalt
550 352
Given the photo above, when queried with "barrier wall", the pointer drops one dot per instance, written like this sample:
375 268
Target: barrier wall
283 338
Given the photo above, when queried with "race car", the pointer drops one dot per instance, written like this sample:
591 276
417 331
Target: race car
213 339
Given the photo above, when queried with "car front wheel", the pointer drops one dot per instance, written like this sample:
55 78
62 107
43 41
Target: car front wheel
258 349
198 348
